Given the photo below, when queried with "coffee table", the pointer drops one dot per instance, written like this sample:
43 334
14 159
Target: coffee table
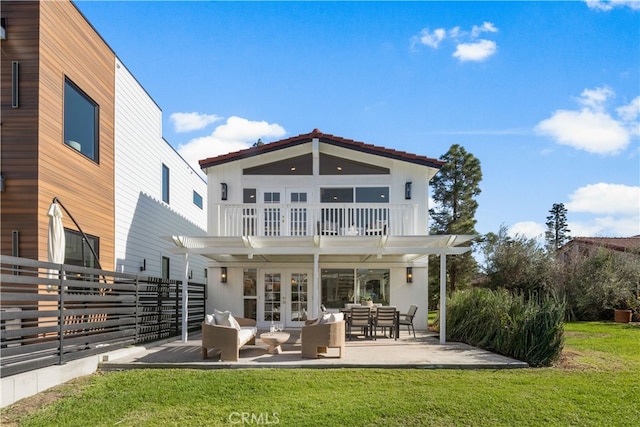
274 340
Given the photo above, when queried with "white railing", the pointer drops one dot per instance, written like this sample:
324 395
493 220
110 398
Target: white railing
299 219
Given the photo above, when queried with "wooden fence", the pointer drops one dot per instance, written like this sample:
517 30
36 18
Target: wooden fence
52 313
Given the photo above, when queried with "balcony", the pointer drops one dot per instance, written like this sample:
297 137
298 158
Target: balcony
333 219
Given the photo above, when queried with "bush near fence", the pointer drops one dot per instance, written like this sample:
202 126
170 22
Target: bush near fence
527 328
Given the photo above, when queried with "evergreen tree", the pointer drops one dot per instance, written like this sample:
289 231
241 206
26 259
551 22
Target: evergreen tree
557 233
455 187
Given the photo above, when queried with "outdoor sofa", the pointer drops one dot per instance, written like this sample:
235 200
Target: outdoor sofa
227 334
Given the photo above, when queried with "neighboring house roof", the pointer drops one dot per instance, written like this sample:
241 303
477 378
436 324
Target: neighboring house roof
327 139
621 244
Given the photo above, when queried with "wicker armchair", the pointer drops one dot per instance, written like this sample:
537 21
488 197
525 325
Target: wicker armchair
317 338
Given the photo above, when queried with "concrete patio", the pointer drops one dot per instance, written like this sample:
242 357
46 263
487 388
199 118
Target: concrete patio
422 352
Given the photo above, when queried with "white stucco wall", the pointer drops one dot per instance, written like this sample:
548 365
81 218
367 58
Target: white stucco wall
141 217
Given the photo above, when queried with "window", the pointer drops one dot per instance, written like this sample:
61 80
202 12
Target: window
81 118
250 276
166 271
342 286
77 251
165 183
197 199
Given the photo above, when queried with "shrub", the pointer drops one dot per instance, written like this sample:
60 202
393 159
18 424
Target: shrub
525 328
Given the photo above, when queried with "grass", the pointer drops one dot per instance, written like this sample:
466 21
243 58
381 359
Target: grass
598 383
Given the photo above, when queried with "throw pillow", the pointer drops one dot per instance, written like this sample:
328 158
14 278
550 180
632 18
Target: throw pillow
209 319
222 317
233 322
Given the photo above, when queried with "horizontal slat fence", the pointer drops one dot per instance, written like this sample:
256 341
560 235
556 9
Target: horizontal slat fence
52 313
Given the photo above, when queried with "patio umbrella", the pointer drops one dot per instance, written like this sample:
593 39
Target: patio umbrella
55 249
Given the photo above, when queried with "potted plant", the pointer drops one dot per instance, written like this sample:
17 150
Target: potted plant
366 301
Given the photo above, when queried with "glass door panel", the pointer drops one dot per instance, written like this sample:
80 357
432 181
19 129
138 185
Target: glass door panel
272 215
297 221
298 306
272 297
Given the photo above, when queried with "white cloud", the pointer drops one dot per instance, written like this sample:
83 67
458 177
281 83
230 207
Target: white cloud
236 134
528 229
187 122
592 128
585 130
594 99
607 5
468 46
431 39
603 198
477 51
484 28
630 112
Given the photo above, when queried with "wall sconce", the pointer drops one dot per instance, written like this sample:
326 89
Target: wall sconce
2 187
223 274
407 190
191 275
223 191
409 275
143 267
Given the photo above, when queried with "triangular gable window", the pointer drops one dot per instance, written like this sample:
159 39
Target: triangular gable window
301 165
330 165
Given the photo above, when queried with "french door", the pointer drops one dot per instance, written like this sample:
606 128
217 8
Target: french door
285 297
285 213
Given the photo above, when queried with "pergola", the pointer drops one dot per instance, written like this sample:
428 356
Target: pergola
390 250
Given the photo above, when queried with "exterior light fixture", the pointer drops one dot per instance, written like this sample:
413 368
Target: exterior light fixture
223 274
143 267
223 191
407 191
409 275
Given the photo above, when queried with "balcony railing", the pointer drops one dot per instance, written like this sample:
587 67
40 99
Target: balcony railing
299 219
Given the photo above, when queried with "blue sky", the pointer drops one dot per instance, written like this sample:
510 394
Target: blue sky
545 94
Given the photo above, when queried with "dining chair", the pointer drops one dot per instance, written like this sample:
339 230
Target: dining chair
384 318
407 319
360 317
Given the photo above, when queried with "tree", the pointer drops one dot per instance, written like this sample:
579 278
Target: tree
454 190
557 233
517 263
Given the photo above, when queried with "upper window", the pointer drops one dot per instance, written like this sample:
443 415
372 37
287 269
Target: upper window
81 118
197 199
165 183
77 251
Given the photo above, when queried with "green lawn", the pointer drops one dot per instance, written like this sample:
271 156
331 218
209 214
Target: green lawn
598 383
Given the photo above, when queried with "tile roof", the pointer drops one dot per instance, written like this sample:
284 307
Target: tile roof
327 139
623 244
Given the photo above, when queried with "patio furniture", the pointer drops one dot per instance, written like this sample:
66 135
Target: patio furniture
317 338
228 339
407 319
274 340
386 317
360 317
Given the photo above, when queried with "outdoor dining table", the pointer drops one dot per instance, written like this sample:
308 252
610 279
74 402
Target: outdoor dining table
396 327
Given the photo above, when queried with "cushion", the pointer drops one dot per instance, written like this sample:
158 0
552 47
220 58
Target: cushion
222 318
233 322
330 318
209 319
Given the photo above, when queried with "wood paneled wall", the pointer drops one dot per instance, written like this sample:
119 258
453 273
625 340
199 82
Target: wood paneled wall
66 47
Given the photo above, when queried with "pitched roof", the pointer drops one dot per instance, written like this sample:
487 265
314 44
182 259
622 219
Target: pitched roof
327 139
622 244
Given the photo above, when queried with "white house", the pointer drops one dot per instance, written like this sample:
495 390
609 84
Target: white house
314 220
157 193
